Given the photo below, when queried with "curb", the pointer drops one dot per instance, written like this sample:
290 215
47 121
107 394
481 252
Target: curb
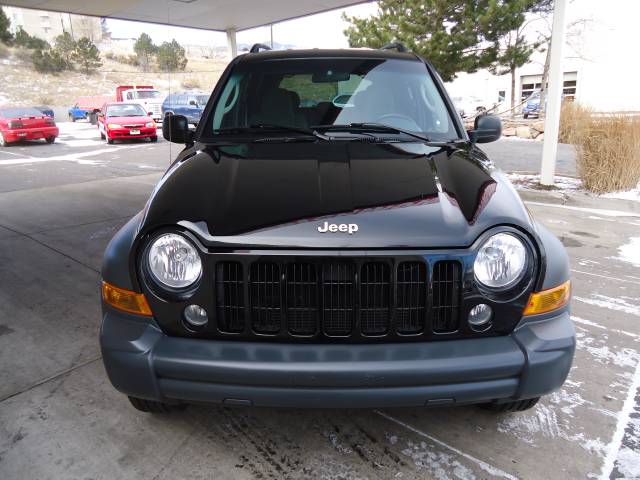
577 199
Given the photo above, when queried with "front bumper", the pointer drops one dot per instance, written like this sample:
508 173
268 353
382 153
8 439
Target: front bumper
142 361
125 133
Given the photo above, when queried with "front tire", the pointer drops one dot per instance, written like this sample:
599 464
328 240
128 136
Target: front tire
525 115
516 406
153 139
151 406
50 139
110 141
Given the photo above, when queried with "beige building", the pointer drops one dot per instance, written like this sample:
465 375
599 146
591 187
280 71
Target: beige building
48 25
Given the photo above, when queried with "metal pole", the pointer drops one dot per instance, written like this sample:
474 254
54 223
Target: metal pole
232 47
271 36
556 82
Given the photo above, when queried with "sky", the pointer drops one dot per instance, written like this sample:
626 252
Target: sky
324 30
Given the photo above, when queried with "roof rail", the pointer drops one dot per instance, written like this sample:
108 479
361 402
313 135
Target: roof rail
399 46
259 46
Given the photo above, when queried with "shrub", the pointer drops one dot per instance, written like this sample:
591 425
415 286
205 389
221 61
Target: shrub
191 84
23 39
23 55
48 61
609 153
171 57
86 54
574 119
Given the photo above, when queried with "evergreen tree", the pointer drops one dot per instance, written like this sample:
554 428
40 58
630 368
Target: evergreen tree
171 57
87 55
144 49
23 39
455 35
65 45
48 61
5 34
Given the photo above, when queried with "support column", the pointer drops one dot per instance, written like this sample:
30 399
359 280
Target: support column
554 99
232 47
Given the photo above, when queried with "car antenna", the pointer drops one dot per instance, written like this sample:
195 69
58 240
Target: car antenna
259 46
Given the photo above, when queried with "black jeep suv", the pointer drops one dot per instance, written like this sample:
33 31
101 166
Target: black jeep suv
331 236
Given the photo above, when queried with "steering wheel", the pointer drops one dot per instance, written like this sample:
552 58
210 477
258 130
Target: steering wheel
400 121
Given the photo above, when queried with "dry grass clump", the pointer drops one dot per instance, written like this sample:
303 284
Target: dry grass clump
608 148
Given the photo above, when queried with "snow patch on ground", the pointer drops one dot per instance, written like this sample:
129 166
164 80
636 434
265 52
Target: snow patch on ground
619 304
439 464
633 194
630 252
533 181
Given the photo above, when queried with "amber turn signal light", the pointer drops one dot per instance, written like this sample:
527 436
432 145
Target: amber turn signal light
548 300
125 300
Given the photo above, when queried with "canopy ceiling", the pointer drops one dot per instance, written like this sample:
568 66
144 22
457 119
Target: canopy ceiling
217 15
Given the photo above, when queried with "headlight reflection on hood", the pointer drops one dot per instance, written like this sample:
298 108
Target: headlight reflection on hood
173 261
501 261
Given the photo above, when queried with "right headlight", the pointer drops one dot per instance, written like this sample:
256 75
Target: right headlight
501 261
173 261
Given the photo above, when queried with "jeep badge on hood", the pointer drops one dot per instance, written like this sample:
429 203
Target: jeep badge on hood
349 228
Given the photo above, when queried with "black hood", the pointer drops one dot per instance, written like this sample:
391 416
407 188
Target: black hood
277 195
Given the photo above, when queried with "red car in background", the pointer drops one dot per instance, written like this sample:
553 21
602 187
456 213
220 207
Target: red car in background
122 121
25 123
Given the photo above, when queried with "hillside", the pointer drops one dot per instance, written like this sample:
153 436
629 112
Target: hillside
22 85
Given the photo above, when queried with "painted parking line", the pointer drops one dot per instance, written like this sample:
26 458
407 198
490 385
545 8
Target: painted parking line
624 417
596 211
71 157
606 277
480 463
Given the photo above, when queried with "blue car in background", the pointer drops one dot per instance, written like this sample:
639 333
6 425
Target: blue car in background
532 107
190 104
48 111
77 113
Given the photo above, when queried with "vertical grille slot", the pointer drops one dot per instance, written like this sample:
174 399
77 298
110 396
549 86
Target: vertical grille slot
375 288
337 298
230 297
266 309
411 308
446 296
302 298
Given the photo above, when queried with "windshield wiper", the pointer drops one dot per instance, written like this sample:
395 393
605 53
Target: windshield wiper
268 126
381 127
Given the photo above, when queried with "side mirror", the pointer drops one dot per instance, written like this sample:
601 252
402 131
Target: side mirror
193 102
486 128
175 128
150 114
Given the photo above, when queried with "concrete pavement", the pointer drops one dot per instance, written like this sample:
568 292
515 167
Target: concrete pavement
60 417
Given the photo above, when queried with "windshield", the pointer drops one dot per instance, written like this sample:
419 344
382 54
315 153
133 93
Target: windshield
337 91
147 94
20 112
125 110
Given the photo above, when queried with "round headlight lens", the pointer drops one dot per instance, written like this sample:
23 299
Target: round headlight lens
173 261
501 261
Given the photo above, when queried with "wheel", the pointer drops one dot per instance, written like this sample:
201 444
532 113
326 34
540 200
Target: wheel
102 136
50 139
153 139
151 406
110 141
517 406
525 115
3 142
72 118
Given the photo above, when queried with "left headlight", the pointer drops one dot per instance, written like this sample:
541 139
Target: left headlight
173 261
501 261
150 124
113 126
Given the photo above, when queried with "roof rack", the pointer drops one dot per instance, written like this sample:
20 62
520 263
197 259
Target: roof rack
399 46
259 46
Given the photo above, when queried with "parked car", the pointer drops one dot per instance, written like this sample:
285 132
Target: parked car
25 123
125 121
48 111
88 107
145 95
189 104
469 106
532 107
300 253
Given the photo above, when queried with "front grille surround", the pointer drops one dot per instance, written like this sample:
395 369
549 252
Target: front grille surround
350 299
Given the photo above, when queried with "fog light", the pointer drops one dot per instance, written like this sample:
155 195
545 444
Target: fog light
195 316
480 317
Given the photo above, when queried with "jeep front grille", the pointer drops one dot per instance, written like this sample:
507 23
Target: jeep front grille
334 297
